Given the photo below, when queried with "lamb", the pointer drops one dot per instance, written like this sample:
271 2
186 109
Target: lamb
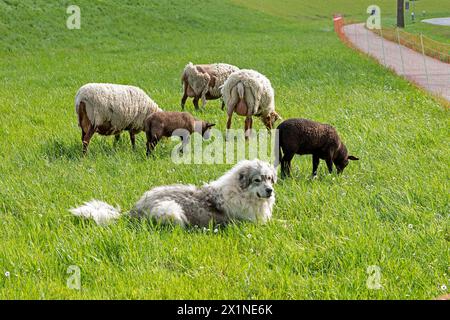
204 81
249 93
302 136
165 123
109 109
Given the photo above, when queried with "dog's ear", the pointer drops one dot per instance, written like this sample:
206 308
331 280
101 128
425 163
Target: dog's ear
352 158
244 179
274 176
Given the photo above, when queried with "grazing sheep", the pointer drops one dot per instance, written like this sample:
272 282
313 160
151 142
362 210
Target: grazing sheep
249 93
164 123
109 109
302 136
204 81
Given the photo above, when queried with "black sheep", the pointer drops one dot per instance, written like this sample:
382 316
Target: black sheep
303 136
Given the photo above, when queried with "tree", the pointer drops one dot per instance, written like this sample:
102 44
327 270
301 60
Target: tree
400 13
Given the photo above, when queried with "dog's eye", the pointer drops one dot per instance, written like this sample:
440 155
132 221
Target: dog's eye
257 180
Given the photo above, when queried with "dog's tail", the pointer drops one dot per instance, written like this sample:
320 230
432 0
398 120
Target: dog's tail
101 212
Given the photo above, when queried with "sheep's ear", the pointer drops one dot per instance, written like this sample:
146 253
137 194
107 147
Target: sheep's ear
277 117
352 158
209 125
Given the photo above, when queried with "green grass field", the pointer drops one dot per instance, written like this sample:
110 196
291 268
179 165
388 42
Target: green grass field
300 11
390 209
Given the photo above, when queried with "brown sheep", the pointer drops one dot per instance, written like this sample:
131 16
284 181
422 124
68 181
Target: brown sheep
164 123
302 136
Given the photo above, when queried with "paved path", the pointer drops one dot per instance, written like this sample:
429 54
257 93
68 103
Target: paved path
438 21
427 72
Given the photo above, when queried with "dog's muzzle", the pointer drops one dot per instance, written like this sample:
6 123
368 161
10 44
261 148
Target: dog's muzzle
268 193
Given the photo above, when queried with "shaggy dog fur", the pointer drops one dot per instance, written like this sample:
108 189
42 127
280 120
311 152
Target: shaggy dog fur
303 136
243 193
249 93
109 109
203 81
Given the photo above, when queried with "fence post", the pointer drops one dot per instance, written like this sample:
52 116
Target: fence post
382 45
368 43
400 47
424 59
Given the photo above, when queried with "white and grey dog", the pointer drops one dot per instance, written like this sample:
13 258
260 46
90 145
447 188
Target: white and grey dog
243 193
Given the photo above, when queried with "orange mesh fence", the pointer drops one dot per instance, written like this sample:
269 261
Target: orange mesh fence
339 27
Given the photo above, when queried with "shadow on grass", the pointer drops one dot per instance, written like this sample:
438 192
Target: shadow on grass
56 149
149 225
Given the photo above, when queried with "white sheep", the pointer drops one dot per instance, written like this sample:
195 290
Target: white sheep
109 109
203 81
249 93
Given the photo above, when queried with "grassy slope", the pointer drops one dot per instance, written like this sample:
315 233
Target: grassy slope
300 10
390 209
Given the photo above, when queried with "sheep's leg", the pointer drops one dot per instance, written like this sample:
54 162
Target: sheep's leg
248 126
149 148
229 121
152 141
83 120
329 162
87 138
286 165
148 143
195 102
116 138
183 100
185 95
184 142
133 139
316 161
228 125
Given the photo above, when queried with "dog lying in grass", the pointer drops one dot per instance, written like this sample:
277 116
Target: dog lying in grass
165 123
243 193
302 136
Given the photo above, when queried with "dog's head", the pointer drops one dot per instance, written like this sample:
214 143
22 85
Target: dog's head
257 178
